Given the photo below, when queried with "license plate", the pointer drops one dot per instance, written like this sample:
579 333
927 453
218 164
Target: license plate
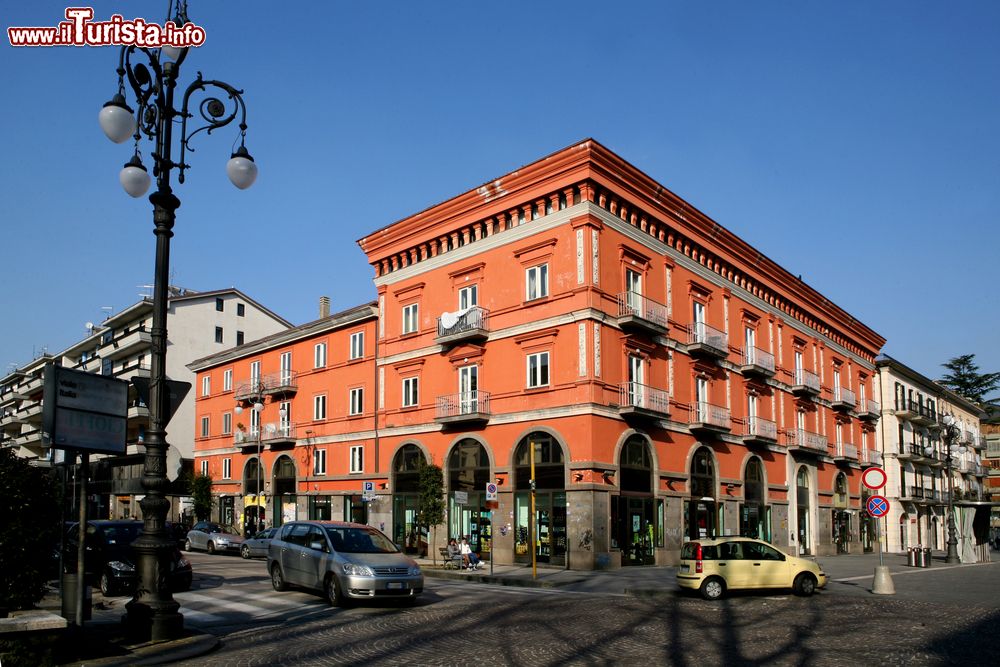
685 568
395 584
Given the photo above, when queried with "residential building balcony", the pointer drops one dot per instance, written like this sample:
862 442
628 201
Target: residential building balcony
137 369
760 431
90 365
7 396
137 410
805 383
32 438
980 471
868 409
911 494
925 415
869 458
282 383
757 362
906 409
805 441
642 400
30 387
968 438
707 418
127 344
463 325
639 313
276 435
31 414
9 423
843 399
845 452
707 341
916 453
465 407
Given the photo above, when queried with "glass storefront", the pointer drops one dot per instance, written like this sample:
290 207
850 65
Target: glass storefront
701 511
802 511
549 521
355 509
634 520
468 473
405 500
755 515
319 508
284 492
868 527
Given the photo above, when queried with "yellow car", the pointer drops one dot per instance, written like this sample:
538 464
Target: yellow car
714 566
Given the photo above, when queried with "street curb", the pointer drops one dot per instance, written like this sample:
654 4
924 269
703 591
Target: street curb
488 579
194 645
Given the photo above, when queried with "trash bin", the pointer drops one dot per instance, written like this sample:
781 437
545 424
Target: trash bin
927 557
69 595
911 557
921 556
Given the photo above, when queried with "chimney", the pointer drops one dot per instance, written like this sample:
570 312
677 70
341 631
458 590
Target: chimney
324 307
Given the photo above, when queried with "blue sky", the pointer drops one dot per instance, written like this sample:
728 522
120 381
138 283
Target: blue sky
853 142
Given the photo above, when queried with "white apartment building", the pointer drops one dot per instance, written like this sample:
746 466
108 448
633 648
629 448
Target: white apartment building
914 455
198 324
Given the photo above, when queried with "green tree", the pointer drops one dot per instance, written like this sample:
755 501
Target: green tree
201 497
430 506
29 505
965 379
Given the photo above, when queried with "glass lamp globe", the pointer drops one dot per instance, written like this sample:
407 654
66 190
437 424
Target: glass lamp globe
238 409
241 169
258 407
117 120
172 53
134 177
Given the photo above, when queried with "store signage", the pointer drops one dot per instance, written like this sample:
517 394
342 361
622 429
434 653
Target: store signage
83 411
461 497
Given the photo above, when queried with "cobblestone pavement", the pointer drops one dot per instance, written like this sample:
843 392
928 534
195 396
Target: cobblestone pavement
485 627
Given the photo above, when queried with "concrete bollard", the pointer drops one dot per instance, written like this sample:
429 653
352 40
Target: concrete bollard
882 584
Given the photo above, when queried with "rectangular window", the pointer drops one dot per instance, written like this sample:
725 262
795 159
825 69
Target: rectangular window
227 468
468 297
219 304
218 334
538 369
286 368
241 310
204 468
319 406
206 385
319 355
319 462
204 427
357 345
357 401
357 458
227 423
227 379
633 289
107 366
411 395
536 282
410 316
240 337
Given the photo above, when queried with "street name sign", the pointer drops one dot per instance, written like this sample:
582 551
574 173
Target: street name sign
83 411
874 478
461 497
877 506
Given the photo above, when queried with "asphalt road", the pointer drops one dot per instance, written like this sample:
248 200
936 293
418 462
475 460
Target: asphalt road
469 623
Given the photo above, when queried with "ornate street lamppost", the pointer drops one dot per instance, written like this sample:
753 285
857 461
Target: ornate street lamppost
152 76
951 433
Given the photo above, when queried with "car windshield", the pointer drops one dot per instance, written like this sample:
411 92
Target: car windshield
359 540
122 534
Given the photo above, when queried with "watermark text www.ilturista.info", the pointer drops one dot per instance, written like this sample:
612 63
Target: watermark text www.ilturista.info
79 29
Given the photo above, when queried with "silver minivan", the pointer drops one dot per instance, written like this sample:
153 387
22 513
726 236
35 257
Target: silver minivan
344 560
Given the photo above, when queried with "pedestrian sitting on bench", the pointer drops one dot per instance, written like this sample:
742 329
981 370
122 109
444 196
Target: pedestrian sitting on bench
454 552
469 557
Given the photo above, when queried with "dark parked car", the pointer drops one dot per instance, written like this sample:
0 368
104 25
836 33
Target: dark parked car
110 561
344 560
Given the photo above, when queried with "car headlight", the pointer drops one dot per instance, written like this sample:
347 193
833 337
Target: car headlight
121 566
182 563
356 570
414 570
221 540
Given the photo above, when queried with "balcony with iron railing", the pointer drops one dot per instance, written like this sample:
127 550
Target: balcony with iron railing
843 399
282 383
805 383
924 414
127 344
640 400
760 431
869 458
640 313
905 409
706 418
868 409
708 341
805 441
464 407
846 452
757 362
464 325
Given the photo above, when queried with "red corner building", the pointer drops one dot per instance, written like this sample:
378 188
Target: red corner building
668 380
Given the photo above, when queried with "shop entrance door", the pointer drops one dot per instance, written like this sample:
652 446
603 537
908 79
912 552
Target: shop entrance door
701 517
405 531
636 525
842 530
550 528
471 522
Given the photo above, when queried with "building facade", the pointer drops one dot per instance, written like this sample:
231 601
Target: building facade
197 323
576 332
915 454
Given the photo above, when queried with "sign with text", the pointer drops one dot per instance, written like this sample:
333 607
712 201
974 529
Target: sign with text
84 411
461 497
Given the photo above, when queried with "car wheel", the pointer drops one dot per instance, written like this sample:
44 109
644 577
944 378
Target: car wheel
713 588
187 545
277 580
333 593
804 585
245 552
211 547
107 588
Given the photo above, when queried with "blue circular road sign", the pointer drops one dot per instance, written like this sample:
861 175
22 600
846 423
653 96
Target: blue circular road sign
877 506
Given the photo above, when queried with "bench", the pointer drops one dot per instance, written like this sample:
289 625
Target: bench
451 562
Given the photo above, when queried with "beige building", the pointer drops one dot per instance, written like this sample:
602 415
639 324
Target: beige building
910 439
198 323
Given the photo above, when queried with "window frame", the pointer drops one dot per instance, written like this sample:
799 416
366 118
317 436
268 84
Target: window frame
319 355
537 357
319 407
360 393
539 274
357 350
356 462
206 427
319 462
411 391
411 319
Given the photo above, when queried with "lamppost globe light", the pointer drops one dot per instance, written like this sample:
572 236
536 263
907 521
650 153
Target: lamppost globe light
171 53
134 177
117 119
949 420
241 168
238 409
258 407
